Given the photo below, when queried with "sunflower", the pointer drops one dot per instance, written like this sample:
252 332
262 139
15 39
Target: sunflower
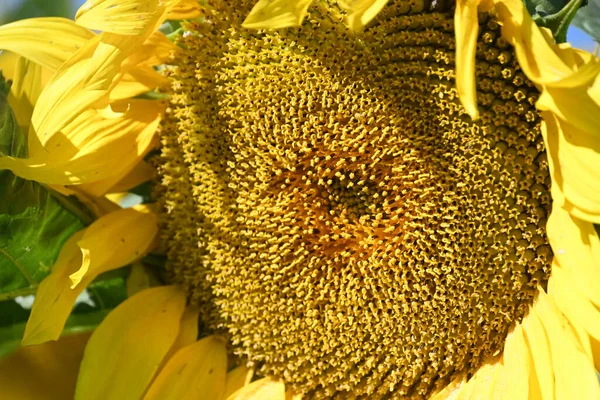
404 208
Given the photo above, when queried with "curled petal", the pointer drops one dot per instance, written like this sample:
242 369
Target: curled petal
56 295
108 242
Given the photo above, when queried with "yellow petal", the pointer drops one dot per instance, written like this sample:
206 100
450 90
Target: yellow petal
516 361
361 12
539 348
112 148
142 172
138 279
8 62
568 297
196 371
274 14
536 53
574 373
109 243
47 371
236 379
48 42
185 9
466 28
124 17
82 82
188 332
25 90
101 250
467 390
137 81
99 206
577 248
594 91
127 348
54 299
261 389
451 391
489 382
573 157
572 105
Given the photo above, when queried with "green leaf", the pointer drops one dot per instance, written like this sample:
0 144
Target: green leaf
555 15
105 293
4 84
588 19
12 142
34 222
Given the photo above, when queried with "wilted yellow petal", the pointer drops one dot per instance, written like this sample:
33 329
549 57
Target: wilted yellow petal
466 28
539 348
236 379
115 240
573 157
48 42
261 389
127 348
361 12
124 17
274 14
112 241
47 371
574 375
197 371
516 360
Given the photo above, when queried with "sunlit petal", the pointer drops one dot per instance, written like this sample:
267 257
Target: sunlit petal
127 348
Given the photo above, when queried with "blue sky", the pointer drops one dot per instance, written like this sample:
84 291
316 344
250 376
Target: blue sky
580 39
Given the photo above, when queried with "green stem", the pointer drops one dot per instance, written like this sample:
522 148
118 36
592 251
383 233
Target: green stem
18 292
559 23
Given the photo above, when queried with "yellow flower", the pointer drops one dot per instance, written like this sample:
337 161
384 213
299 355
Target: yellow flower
328 204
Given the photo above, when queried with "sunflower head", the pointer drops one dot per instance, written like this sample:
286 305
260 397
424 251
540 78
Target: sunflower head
335 210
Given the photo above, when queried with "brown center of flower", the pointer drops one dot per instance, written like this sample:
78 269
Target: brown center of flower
334 210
